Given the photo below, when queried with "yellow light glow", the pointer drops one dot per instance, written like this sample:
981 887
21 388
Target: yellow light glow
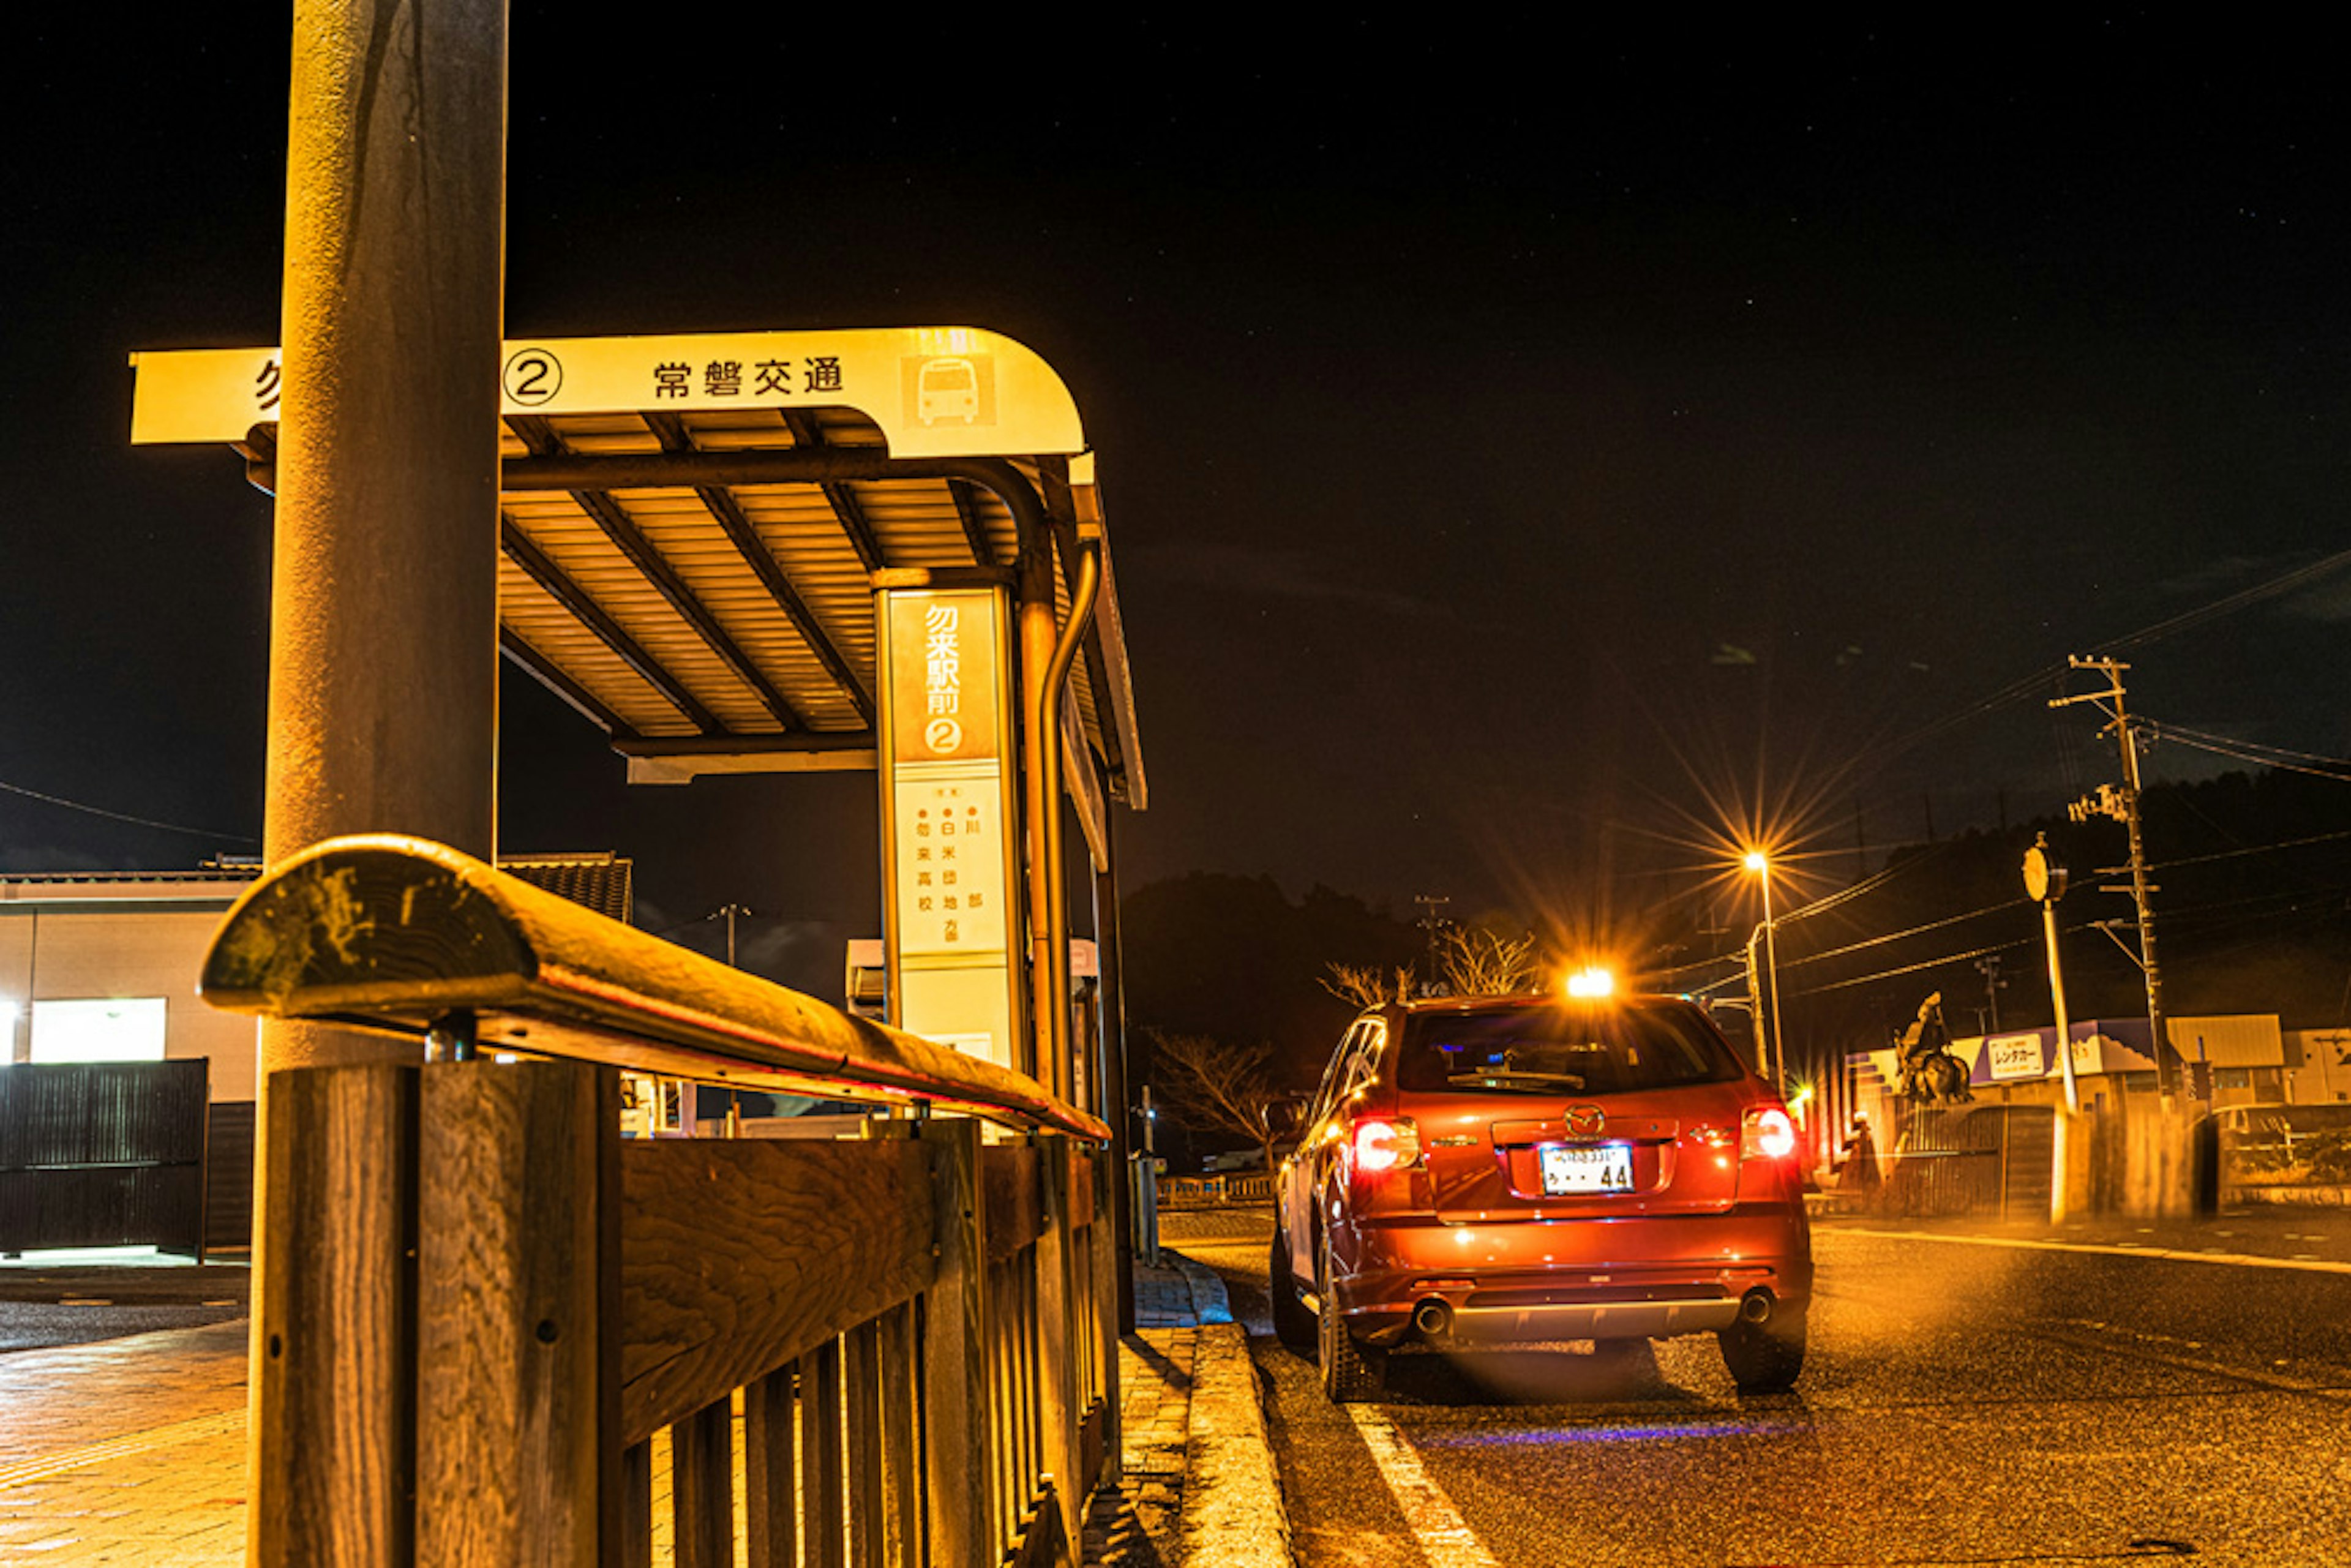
1757 861
1591 982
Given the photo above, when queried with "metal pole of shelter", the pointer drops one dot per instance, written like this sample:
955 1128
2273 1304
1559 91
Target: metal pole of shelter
1111 1105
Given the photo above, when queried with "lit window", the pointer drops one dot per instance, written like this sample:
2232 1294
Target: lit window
118 1028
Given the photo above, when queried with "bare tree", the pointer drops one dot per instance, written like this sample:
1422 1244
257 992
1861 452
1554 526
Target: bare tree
1475 962
1362 985
1215 1085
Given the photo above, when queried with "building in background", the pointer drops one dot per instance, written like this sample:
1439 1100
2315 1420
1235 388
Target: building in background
102 966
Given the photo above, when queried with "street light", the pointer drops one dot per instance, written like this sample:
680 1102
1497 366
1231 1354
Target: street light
1776 1054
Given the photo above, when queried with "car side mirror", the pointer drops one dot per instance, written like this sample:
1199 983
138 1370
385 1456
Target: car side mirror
1280 1117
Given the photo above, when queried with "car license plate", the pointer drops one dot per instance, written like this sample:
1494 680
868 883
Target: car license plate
1608 1168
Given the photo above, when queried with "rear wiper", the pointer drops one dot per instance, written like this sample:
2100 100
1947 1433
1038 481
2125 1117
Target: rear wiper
1503 1078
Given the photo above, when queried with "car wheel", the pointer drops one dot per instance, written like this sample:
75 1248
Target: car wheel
1765 1356
1293 1323
1351 1374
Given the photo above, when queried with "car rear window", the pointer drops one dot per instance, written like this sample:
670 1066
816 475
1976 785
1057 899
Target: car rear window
1605 1049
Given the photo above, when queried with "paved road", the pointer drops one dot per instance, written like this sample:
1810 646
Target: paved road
1967 1402
45 1305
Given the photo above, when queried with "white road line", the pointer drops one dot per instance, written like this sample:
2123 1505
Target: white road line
1444 1540
2303 1264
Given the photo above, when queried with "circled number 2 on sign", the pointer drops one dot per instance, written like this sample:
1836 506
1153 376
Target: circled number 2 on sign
942 734
533 375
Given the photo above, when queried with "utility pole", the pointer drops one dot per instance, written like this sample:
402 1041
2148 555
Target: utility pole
729 913
1988 967
2124 806
1429 903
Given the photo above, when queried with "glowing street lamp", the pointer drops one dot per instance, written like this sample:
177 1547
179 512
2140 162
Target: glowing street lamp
1774 1057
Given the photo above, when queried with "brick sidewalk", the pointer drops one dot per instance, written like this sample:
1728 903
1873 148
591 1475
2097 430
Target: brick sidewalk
126 1451
1135 1525
132 1451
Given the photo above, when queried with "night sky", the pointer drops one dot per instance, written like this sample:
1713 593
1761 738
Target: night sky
1527 454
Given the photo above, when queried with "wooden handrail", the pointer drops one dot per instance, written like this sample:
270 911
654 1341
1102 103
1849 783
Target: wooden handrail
400 934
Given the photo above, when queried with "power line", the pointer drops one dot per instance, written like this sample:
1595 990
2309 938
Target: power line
1900 936
2252 850
2229 605
2252 752
2193 915
1923 964
61 801
2025 685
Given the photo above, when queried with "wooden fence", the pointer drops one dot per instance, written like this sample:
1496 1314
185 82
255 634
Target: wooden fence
1993 1160
1239 1187
103 1153
485 1314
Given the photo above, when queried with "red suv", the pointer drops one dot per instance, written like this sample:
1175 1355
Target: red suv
1530 1169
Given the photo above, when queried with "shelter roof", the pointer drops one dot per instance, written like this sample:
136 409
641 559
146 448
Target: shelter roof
692 527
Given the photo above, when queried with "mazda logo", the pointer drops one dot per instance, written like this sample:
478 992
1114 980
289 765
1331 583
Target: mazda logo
1585 1121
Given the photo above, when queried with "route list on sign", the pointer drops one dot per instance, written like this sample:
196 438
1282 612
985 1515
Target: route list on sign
950 883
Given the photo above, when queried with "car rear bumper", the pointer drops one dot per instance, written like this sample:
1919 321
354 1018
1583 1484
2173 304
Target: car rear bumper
1522 1281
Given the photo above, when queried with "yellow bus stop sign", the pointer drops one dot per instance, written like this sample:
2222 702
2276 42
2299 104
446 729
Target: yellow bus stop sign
936 392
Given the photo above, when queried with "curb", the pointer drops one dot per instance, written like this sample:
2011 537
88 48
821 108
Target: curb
1233 1511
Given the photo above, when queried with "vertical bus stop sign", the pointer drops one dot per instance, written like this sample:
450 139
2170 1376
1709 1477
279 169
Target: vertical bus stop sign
951 857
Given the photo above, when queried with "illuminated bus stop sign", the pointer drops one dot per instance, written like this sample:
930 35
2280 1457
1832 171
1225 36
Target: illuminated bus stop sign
935 391
945 747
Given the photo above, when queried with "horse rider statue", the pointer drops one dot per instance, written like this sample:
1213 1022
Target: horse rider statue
1931 1075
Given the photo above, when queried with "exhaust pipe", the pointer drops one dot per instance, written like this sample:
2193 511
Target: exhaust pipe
1755 1307
1433 1318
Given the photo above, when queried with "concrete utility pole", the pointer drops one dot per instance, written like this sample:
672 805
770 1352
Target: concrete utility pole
2124 806
730 913
383 673
384 638
1430 902
1988 967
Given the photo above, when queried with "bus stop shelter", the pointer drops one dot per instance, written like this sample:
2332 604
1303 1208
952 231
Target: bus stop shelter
700 538
746 552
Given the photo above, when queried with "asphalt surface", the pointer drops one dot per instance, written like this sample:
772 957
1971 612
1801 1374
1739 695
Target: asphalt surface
1996 1399
43 1307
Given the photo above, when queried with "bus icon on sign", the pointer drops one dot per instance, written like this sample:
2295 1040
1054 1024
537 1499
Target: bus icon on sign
947 389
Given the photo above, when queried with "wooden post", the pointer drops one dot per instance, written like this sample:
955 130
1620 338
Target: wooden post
637 1505
861 1369
702 1486
902 1463
824 1498
1057 1343
519 1356
770 1472
334 1377
957 1459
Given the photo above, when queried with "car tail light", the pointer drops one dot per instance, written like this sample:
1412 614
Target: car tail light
1767 1133
1384 1143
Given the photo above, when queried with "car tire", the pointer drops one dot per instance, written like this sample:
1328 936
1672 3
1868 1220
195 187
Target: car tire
1767 1357
1350 1375
1293 1325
